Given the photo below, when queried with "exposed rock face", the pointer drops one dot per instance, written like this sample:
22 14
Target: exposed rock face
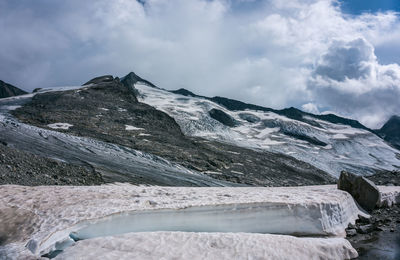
249 117
7 90
363 190
222 117
101 79
36 90
390 131
130 79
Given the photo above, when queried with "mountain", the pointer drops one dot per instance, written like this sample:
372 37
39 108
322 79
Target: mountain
132 138
293 113
390 131
107 109
8 90
328 142
129 130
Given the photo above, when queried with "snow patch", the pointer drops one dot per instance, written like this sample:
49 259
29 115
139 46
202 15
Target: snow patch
130 128
64 126
9 108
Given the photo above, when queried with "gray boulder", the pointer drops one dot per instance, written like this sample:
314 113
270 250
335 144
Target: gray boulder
363 191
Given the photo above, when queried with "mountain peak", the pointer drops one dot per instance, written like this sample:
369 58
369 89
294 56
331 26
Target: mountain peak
132 78
184 92
390 131
8 90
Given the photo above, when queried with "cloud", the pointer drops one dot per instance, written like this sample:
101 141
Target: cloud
310 108
274 53
349 79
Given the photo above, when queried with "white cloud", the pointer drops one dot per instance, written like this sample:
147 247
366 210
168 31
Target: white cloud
278 54
310 108
349 80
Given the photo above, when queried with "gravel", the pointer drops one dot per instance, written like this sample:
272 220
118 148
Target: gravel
23 168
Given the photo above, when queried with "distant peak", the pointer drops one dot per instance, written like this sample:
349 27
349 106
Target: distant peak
8 90
184 92
132 78
131 74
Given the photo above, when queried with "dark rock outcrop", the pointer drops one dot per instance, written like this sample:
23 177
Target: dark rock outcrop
390 131
36 90
363 190
222 117
101 79
8 90
131 79
249 117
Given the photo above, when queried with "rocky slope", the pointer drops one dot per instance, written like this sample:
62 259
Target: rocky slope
19 167
7 90
107 109
225 139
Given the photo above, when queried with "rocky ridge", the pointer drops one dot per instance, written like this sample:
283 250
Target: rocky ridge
8 90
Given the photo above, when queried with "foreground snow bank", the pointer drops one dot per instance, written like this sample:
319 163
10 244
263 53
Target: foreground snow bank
89 212
188 245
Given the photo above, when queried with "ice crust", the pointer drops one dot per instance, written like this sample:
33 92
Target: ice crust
185 245
113 209
347 148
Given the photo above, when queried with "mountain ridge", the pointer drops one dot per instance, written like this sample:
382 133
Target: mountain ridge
8 90
390 131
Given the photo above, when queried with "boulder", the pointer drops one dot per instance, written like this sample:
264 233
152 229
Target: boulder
365 229
363 191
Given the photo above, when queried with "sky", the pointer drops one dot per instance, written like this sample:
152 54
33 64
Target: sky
322 56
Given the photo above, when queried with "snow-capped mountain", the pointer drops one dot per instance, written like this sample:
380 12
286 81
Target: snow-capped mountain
327 142
198 140
129 138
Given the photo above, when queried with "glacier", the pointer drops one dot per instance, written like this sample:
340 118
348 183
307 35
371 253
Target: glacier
347 148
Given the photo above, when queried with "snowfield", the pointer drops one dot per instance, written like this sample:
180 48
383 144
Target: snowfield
55 216
347 148
185 245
